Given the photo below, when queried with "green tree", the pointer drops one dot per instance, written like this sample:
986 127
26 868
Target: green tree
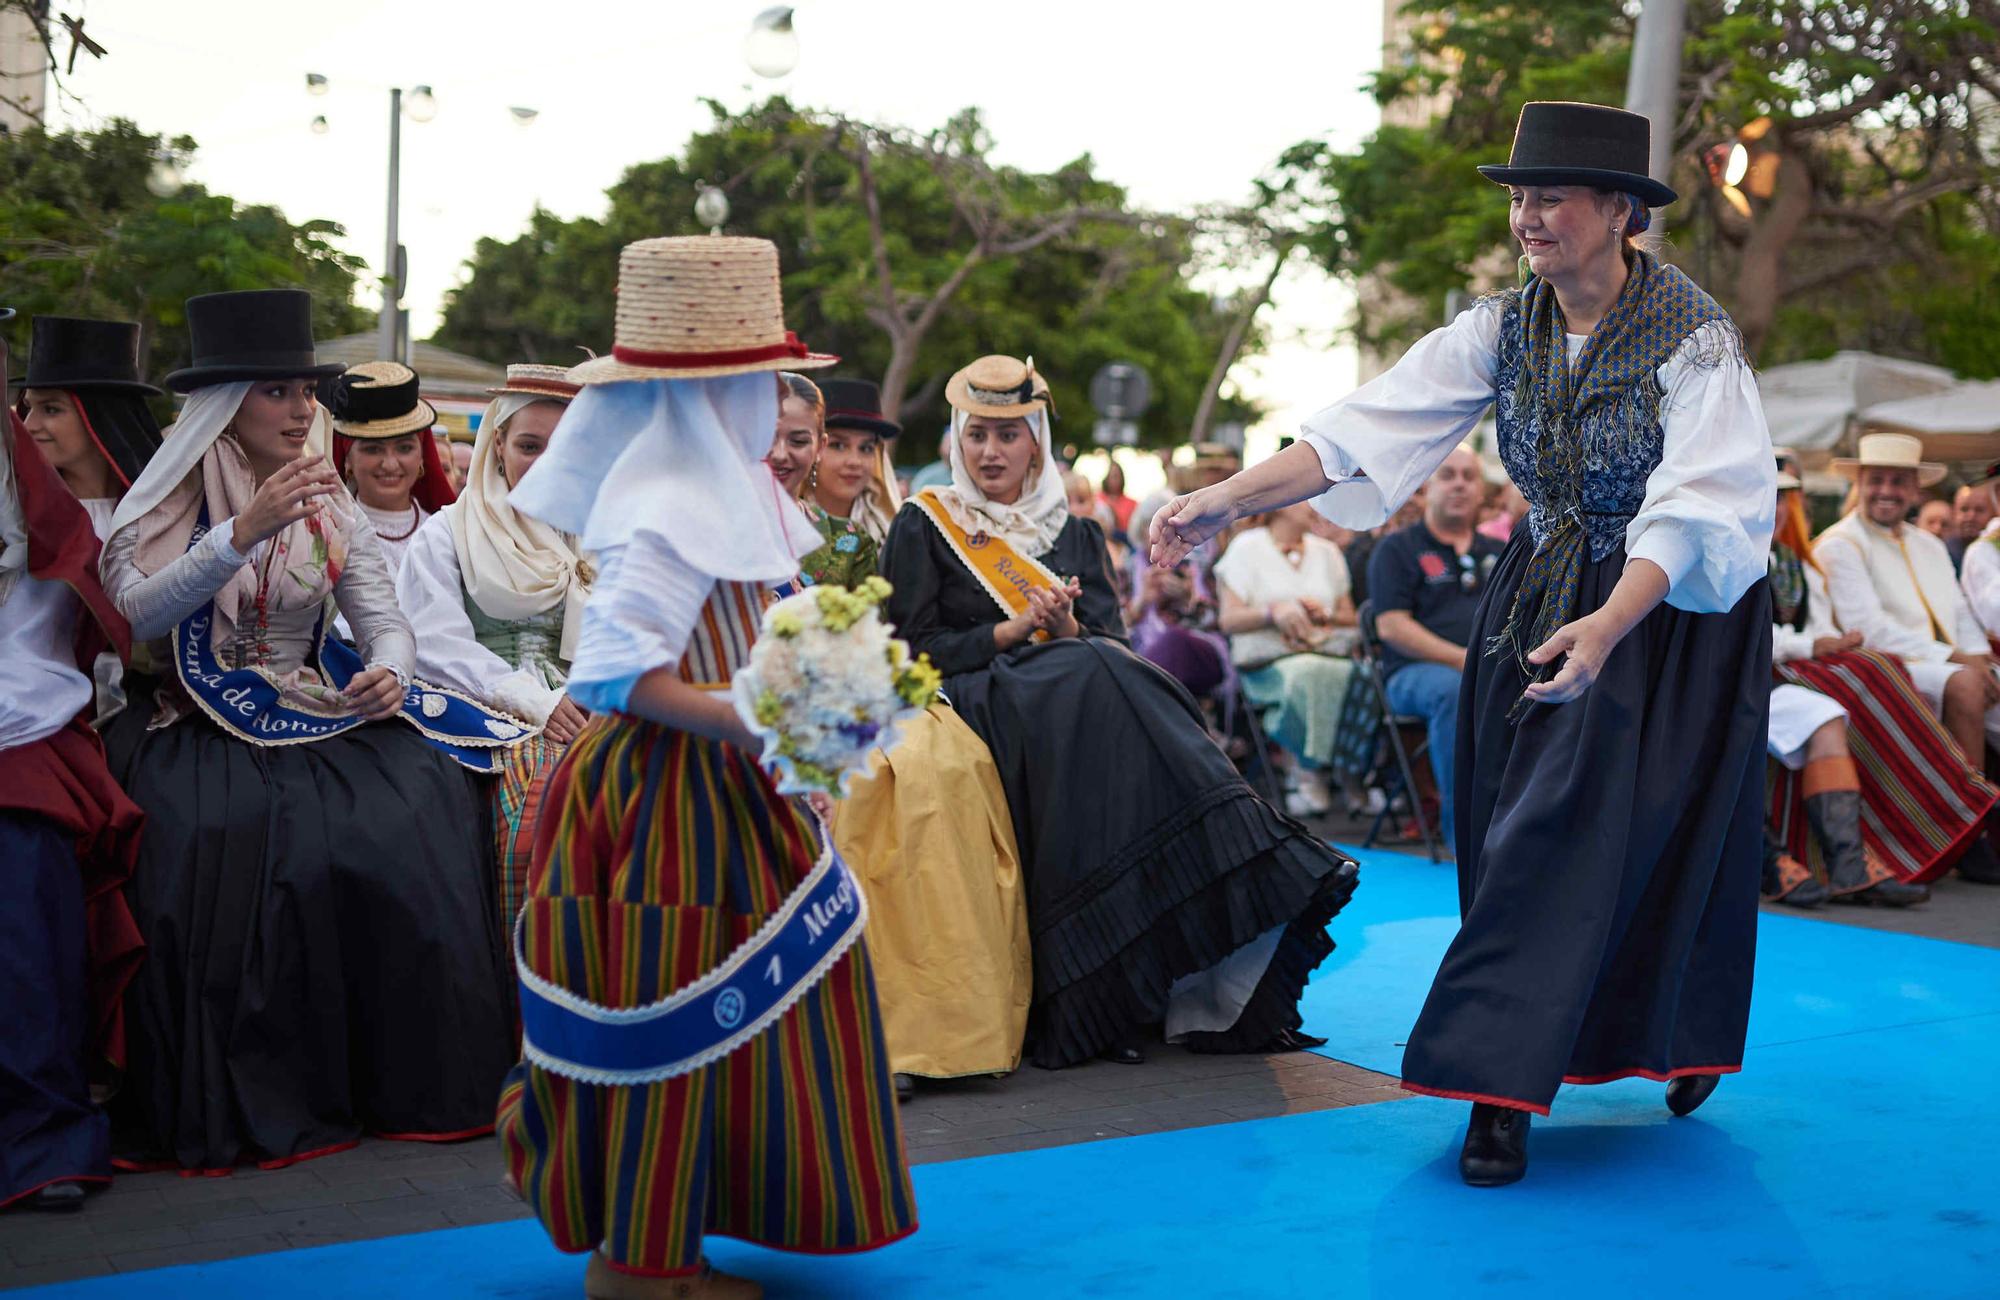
907 253
82 233
1868 215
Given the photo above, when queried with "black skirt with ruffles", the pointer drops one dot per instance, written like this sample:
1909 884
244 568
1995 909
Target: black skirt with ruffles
1608 858
1147 856
324 956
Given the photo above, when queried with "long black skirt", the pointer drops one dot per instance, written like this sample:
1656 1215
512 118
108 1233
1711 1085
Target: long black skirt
1146 855
1608 857
324 954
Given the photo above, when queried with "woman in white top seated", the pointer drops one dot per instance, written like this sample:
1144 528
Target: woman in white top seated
1285 605
496 599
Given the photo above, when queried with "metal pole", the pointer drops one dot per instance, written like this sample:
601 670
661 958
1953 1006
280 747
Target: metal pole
392 288
1653 85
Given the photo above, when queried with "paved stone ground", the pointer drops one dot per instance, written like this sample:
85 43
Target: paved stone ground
384 1188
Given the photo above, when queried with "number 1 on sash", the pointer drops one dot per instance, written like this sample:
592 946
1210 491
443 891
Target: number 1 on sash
775 972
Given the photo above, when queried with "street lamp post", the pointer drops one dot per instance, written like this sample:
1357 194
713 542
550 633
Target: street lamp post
392 289
1653 85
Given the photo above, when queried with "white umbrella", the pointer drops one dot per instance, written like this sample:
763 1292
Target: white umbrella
1960 423
1808 404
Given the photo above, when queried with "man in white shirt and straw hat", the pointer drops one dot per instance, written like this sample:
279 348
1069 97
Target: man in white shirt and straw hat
1894 584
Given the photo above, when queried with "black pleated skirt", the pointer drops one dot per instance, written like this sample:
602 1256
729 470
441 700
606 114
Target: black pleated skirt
1147 857
324 955
1608 857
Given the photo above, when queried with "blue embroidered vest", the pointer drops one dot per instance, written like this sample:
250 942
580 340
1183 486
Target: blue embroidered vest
1623 439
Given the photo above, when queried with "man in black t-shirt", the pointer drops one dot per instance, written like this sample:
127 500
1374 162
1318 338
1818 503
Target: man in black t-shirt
1425 583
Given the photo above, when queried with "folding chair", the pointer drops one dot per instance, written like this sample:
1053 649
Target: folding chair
1368 665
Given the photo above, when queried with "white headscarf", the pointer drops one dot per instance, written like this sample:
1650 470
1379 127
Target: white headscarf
201 463
682 459
513 567
1033 522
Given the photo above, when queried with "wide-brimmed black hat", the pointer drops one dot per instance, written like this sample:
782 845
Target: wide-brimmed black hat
856 404
71 352
249 334
1558 143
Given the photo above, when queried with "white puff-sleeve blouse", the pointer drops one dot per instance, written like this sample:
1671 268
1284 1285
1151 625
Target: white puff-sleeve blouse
1710 503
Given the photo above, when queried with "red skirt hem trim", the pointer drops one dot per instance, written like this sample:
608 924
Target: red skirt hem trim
1654 1075
484 1130
1510 1103
95 1179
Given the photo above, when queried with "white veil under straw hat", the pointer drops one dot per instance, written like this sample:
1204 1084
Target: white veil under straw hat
682 459
1032 524
513 567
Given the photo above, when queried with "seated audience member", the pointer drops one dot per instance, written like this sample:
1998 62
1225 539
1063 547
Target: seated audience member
1284 598
1850 733
1971 511
496 601
68 838
938 472
1979 576
1892 583
1935 518
1149 858
1425 582
1509 508
1112 494
926 827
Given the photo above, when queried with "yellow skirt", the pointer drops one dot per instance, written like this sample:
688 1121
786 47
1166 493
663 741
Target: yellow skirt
927 831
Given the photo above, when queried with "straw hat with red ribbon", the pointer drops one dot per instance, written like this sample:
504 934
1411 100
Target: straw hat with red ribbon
696 307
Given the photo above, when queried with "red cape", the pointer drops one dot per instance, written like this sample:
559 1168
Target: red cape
63 777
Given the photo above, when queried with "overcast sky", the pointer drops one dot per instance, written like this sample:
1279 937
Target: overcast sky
1182 105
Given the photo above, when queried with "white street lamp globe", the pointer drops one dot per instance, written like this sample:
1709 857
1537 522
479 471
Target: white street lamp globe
421 105
711 208
165 179
524 116
319 126
1739 165
315 83
772 47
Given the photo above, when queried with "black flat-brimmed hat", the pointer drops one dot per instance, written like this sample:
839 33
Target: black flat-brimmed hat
856 404
249 334
70 352
377 399
1558 143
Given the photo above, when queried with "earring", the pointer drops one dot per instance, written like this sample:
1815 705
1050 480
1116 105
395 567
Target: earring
812 478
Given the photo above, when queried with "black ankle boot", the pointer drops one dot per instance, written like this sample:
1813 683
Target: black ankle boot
1690 1091
1496 1146
1980 865
906 1087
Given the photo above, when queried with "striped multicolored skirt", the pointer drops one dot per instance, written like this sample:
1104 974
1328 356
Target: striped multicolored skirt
656 853
1920 803
518 788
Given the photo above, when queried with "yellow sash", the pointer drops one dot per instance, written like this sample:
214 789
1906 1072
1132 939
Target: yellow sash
1006 574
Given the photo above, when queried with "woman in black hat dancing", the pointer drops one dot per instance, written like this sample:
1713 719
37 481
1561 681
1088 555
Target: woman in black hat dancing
315 888
1610 762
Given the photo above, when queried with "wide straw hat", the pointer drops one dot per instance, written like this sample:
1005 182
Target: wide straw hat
529 380
998 387
1891 451
695 307
1557 143
378 399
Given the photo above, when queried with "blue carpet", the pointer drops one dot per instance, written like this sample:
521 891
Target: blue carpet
1852 1158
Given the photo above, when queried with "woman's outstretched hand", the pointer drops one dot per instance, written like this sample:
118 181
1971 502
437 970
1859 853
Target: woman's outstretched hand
286 497
1187 521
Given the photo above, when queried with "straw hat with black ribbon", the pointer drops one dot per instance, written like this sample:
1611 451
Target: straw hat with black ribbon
379 400
1890 451
1005 388
699 307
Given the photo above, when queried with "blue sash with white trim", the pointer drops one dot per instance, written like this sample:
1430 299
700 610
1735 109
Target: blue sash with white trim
249 704
698 1025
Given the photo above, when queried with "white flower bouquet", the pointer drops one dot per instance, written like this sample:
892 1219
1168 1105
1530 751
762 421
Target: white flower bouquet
826 684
